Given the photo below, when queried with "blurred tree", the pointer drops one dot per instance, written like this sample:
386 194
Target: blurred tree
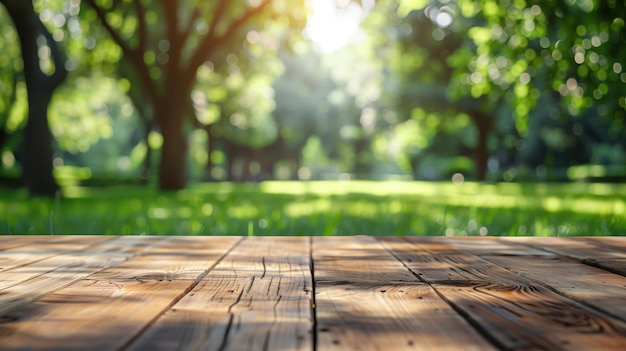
10 99
302 107
357 107
357 100
94 56
298 94
96 126
261 125
233 103
567 55
425 42
166 43
480 57
575 48
44 70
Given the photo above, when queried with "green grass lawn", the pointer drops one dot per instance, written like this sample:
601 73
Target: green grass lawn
324 208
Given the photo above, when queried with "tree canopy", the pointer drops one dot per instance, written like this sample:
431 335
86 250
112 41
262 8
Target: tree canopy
240 90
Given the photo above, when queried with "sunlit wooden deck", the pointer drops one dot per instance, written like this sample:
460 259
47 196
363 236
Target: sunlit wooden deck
301 293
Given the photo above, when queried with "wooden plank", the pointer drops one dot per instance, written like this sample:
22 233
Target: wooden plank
366 299
571 247
179 258
519 294
603 252
517 312
590 285
116 249
612 242
93 315
28 250
27 283
486 245
127 246
356 259
615 265
10 241
257 297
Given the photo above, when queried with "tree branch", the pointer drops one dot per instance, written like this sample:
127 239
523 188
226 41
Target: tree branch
192 19
209 43
170 8
117 38
143 41
243 19
176 40
134 55
219 12
60 73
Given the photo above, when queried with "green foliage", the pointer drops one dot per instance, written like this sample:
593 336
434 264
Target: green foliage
324 208
238 102
496 61
540 83
12 89
578 53
596 172
95 126
80 115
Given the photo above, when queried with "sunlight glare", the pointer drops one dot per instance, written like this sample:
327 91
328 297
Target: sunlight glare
443 19
333 24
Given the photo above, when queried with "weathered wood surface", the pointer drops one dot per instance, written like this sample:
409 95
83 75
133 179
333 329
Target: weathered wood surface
312 293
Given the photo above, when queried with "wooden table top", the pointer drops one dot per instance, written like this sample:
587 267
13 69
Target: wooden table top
312 293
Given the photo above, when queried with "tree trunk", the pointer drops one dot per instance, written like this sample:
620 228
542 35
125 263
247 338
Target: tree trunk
211 146
37 145
483 125
146 168
140 98
361 166
173 166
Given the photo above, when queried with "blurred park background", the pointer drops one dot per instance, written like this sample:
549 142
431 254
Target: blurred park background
313 117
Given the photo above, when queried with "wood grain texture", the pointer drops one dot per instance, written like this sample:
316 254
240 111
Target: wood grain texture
30 282
610 242
300 293
615 265
89 315
517 312
486 245
589 285
257 298
603 252
29 250
578 248
576 278
367 300
178 258
11 241
356 259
